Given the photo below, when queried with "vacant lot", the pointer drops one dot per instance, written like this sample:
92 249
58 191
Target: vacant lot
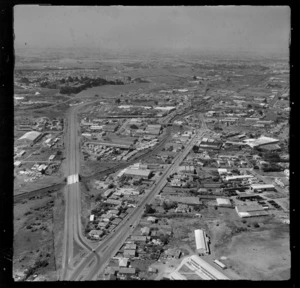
254 252
34 245
21 187
256 248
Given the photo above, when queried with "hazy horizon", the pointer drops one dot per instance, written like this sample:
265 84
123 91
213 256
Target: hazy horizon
230 29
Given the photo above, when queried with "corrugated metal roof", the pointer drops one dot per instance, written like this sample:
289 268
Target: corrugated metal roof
138 172
31 135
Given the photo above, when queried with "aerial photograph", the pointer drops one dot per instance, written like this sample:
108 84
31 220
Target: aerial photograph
151 143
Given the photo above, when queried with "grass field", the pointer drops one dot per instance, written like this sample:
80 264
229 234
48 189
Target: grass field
33 236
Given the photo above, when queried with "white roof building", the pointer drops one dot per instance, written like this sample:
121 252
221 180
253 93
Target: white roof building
263 140
223 202
222 171
17 163
250 211
238 177
144 173
262 187
30 136
201 242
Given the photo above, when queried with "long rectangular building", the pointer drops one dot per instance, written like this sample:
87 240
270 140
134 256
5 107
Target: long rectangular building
238 177
262 187
201 242
141 173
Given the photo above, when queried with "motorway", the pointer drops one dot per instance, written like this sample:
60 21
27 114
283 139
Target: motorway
72 229
97 257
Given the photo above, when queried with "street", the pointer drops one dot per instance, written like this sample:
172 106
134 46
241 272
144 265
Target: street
87 268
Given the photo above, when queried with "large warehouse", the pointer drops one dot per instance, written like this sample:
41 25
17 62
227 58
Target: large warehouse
250 211
201 242
139 173
30 137
262 187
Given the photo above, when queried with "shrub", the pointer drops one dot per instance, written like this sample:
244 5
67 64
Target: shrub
41 263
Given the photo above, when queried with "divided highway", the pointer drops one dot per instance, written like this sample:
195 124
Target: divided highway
72 229
113 242
96 259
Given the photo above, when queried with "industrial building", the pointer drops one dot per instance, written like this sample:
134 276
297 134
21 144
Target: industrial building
262 187
186 169
153 129
138 173
200 267
30 137
202 241
111 144
210 144
238 177
263 140
222 202
250 211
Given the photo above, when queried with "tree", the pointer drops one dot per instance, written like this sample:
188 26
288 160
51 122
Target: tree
164 239
133 126
149 209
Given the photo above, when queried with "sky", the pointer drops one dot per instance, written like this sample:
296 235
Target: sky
262 29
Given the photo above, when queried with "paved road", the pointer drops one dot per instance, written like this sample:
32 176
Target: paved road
72 229
95 261
110 245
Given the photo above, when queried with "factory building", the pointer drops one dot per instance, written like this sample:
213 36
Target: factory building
202 241
222 202
262 187
250 211
186 169
238 177
30 137
138 173
153 129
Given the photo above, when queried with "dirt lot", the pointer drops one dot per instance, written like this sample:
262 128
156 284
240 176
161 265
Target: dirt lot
35 221
254 253
256 248
91 167
20 186
260 255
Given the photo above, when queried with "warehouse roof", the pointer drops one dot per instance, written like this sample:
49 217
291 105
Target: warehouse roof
249 208
228 178
167 108
223 201
262 186
263 140
31 135
138 172
270 147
